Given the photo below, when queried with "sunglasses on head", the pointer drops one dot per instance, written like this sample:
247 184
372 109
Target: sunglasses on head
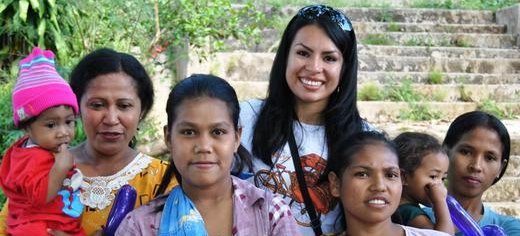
315 11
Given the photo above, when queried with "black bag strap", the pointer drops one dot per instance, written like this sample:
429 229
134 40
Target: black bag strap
315 221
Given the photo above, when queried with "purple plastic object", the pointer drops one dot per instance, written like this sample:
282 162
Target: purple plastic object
493 230
462 219
124 203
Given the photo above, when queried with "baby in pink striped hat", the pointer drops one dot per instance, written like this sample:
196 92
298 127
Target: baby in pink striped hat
38 173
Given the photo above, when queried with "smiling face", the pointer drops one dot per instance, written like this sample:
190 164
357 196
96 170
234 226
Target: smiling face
370 187
202 141
475 163
53 127
313 66
110 111
433 168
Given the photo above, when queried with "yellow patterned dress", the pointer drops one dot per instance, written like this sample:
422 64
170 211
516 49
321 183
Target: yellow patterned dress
144 173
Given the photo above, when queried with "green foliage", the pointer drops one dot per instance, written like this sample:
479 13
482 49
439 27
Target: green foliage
420 41
231 66
3 198
435 77
332 3
26 24
8 133
370 92
462 42
439 95
393 27
74 28
206 24
492 107
149 131
403 91
419 112
376 39
448 4
386 15
80 135
492 5
465 96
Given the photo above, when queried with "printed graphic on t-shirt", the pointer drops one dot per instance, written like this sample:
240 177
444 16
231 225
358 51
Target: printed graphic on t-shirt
282 179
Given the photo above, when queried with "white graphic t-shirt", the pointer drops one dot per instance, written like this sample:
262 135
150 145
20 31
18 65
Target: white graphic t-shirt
282 179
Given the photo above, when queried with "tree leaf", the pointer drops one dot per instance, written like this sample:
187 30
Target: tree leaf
59 43
52 3
24 7
41 32
4 4
36 6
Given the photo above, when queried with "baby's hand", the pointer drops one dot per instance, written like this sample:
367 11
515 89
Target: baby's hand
437 192
63 157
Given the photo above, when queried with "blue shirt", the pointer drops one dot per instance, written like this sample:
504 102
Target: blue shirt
511 225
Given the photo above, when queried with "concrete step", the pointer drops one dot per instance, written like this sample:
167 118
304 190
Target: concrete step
270 40
507 189
438 128
451 52
380 111
412 15
439 39
242 65
448 65
417 15
456 92
513 168
506 208
435 93
384 77
376 27
238 65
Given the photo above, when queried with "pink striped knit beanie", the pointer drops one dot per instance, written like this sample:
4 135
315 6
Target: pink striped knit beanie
39 87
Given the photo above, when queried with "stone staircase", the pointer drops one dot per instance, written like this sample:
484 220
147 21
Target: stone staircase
454 61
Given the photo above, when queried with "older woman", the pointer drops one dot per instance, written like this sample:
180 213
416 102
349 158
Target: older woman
114 95
478 146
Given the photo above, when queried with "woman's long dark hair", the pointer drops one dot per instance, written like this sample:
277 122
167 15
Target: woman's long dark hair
340 117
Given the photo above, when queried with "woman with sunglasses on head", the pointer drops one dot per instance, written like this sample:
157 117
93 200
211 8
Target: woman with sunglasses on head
311 101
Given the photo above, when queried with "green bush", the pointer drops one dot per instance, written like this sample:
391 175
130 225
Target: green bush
393 27
439 95
419 112
420 41
136 27
8 133
402 91
370 92
492 107
376 39
492 5
465 96
435 77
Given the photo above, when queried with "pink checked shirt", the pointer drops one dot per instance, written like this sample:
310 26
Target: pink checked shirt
255 212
